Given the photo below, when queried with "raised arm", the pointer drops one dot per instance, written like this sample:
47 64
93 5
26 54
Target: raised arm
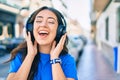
57 71
23 71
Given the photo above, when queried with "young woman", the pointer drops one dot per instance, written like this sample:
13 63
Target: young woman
44 55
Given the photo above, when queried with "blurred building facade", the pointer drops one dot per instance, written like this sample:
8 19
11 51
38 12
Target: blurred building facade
106 27
11 19
15 13
8 16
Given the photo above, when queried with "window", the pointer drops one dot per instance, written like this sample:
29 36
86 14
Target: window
1 28
107 29
10 30
117 0
118 24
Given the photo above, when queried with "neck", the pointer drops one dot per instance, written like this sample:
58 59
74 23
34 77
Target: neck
45 49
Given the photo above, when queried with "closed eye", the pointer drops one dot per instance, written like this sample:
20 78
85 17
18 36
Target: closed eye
38 21
51 22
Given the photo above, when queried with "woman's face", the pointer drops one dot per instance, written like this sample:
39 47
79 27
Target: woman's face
45 27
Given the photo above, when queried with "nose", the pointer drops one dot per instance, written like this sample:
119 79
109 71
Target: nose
43 24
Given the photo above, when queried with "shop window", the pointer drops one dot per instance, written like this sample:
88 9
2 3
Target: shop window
10 30
107 29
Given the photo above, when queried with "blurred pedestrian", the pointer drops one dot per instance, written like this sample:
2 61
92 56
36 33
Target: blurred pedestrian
44 55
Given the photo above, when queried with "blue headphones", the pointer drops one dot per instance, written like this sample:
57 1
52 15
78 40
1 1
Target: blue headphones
61 24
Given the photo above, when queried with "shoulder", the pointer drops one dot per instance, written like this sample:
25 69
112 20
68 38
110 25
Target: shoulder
18 57
15 63
67 58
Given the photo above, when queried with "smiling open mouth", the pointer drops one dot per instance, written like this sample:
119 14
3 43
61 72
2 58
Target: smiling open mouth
43 33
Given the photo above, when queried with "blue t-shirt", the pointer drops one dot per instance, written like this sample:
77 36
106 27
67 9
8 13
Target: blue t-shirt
44 68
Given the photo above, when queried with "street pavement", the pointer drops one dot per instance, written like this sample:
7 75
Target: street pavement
4 67
93 65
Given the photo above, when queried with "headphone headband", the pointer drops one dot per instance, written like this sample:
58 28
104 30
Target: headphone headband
63 19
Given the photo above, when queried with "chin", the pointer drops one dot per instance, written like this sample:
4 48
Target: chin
43 43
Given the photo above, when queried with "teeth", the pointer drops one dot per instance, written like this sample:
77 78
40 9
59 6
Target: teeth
43 32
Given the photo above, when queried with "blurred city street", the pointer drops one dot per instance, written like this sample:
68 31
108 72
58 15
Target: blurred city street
94 66
93 31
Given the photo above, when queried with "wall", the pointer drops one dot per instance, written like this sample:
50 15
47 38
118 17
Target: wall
107 45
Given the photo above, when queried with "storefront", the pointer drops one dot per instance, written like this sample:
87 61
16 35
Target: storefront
7 22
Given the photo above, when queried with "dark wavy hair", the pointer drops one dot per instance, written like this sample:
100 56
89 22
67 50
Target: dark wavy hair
22 48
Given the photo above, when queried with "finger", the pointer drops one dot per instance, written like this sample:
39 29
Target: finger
29 35
53 45
26 35
62 40
35 43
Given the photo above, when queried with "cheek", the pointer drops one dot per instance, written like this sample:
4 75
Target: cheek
52 34
54 31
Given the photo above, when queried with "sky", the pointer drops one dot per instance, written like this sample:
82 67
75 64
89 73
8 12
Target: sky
78 10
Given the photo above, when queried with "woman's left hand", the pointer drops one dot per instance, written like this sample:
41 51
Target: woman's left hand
55 50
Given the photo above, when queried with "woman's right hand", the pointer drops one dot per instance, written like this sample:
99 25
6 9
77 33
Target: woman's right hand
32 48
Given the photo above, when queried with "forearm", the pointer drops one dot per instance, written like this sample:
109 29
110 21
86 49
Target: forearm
24 70
57 72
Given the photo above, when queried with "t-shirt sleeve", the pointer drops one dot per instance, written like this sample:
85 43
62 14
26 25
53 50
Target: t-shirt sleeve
15 63
69 67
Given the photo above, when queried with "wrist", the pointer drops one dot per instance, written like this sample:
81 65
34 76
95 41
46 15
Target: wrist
31 55
56 60
54 57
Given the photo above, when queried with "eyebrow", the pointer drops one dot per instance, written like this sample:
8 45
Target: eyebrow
48 17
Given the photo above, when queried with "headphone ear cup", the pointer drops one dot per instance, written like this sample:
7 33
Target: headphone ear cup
60 31
29 27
